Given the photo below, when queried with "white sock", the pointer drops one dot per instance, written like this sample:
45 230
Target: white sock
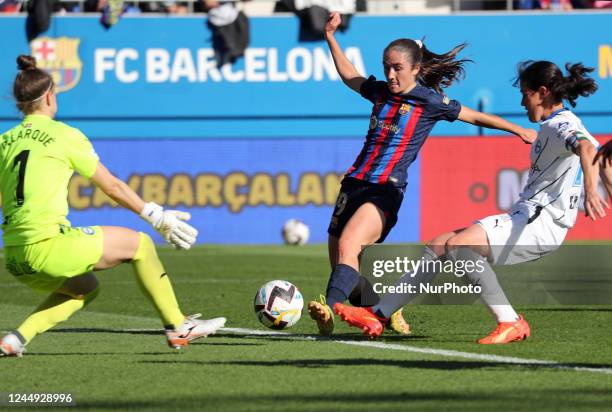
492 293
504 313
391 302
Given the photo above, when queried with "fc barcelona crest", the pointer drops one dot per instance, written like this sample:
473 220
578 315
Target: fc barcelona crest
60 58
404 108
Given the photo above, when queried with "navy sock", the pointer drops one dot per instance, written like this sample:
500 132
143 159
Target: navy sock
342 281
363 294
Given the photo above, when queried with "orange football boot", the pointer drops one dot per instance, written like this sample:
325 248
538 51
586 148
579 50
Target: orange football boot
507 332
361 318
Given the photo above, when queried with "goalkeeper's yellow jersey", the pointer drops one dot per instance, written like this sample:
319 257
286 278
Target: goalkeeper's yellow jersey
37 159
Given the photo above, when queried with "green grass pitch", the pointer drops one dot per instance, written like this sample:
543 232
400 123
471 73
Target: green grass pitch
110 356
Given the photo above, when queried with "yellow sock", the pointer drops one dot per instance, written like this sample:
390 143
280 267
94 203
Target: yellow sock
155 283
55 309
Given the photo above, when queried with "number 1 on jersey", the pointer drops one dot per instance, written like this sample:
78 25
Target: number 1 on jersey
22 159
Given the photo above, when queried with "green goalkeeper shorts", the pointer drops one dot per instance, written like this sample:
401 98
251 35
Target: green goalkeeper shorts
46 265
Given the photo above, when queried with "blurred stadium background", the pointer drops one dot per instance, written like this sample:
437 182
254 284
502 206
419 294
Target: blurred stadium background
248 145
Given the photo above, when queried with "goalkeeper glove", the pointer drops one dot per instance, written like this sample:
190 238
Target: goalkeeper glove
171 225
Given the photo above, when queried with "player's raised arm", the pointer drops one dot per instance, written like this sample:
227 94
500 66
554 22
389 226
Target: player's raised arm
495 122
348 73
594 205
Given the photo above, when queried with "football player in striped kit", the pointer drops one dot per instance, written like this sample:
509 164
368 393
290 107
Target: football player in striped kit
406 107
562 161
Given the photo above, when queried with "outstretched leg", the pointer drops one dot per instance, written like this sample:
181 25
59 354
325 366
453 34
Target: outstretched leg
472 244
123 245
434 250
363 228
75 294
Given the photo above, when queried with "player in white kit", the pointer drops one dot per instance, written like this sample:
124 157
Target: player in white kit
561 160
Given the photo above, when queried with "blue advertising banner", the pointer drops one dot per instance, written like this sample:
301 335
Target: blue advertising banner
237 190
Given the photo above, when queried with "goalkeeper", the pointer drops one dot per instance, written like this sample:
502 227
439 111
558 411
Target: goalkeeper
43 251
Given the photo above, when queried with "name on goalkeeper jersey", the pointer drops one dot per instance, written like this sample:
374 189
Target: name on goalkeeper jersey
157 65
35 135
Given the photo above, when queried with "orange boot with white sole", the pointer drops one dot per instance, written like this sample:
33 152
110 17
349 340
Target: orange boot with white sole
507 332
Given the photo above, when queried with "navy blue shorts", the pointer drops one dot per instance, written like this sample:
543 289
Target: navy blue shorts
354 193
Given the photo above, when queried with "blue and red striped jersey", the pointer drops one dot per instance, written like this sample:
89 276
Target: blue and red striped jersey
399 125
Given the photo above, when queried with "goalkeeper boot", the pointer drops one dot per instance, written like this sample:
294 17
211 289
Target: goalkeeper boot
191 329
398 324
322 314
507 332
11 345
362 318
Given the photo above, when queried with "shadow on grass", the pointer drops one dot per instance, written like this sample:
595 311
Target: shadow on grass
326 363
527 400
409 364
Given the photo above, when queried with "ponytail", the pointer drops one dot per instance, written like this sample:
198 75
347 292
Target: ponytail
438 71
534 74
576 83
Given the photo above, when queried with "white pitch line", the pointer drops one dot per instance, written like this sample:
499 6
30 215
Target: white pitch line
429 351
450 353
381 345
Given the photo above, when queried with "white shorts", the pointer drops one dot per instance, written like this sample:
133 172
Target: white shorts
521 235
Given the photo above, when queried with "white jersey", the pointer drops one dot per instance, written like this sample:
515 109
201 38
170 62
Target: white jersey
555 179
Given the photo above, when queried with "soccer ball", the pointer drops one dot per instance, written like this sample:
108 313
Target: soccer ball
278 304
295 232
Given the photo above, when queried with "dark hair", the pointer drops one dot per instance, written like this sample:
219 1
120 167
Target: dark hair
438 71
30 84
534 74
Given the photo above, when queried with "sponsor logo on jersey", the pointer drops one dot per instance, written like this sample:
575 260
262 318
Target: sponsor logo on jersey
60 58
404 108
392 127
445 100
